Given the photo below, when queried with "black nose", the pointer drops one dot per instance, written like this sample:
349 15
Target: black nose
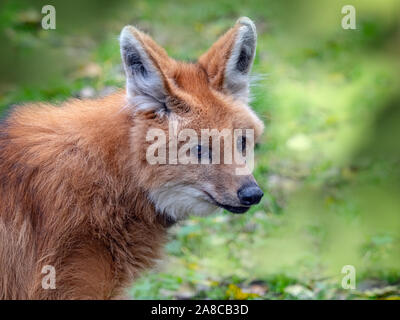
250 194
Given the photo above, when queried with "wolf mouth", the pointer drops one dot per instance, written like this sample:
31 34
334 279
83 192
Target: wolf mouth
233 209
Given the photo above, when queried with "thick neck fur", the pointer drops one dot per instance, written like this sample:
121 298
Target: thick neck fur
68 199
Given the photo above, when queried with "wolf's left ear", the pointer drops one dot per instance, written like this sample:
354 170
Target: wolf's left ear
144 61
228 62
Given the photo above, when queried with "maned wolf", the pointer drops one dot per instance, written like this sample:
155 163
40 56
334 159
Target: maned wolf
77 192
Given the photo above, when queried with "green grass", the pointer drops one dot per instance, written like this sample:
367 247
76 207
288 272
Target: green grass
329 171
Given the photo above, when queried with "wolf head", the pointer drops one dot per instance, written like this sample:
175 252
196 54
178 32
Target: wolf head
193 128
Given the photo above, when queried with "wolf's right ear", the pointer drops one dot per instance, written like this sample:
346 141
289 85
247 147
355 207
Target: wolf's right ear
229 60
146 84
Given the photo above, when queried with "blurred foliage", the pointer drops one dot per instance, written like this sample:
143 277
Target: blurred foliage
329 161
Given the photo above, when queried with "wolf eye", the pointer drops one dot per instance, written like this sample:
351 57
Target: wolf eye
199 152
202 153
242 141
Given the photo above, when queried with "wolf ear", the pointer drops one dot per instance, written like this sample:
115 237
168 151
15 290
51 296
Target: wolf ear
146 84
228 62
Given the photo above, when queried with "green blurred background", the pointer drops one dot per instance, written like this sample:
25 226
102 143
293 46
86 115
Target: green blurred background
329 159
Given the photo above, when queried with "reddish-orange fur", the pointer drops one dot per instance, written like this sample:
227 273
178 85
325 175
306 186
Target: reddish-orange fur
74 182
68 198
